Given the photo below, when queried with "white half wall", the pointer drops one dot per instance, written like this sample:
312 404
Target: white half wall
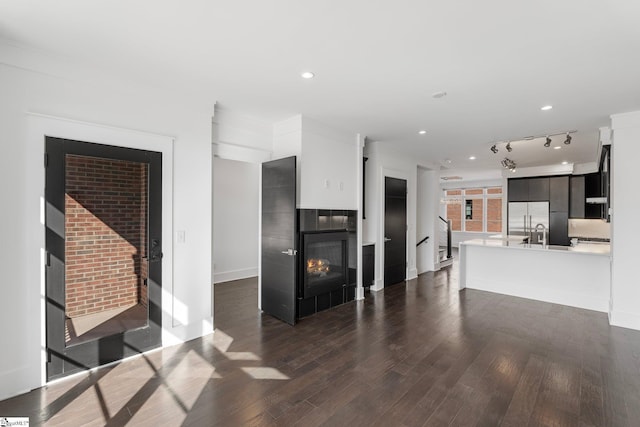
236 200
116 112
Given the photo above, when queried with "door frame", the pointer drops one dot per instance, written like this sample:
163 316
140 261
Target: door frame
65 360
38 126
391 173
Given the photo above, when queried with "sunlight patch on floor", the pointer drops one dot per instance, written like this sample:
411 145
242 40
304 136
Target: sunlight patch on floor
241 355
264 373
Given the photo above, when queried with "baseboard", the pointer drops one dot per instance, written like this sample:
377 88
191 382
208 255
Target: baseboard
413 274
378 285
17 381
227 276
624 319
182 333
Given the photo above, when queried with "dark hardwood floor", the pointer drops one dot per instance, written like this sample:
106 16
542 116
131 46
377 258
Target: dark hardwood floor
419 353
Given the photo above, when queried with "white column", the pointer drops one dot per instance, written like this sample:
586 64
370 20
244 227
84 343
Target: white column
625 233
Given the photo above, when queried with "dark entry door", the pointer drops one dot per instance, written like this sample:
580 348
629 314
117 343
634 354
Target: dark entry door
104 254
395 230
279 247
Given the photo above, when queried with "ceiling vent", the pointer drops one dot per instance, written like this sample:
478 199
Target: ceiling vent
450 178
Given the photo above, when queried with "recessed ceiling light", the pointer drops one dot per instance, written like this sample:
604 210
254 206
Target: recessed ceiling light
441 94
422 132
557 148
565 163
307 75
472 157
547 107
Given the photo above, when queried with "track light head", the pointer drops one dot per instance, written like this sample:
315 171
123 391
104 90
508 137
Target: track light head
568 140
508 147
494 149
508 164
548 142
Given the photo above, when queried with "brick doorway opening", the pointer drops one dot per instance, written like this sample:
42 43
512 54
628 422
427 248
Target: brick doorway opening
106 234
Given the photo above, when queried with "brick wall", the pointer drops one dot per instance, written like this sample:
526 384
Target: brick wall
105 230
494 215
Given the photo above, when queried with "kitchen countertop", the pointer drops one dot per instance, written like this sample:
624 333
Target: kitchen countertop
602 249
508 237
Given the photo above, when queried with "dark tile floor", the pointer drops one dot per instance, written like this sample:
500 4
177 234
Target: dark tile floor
419 353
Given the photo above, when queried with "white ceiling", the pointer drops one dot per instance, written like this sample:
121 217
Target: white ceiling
377 63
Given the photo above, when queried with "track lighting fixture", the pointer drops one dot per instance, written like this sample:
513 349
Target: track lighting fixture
548 142
508 164
508 147
568 140
494 149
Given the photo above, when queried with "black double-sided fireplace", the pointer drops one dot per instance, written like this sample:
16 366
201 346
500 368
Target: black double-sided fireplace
327 259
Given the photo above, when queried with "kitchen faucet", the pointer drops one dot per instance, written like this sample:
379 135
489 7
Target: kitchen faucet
544 233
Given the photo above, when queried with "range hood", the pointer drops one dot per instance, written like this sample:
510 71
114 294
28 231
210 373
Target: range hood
597 200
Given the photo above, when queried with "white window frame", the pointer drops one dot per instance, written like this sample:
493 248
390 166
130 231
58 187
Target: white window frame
463 197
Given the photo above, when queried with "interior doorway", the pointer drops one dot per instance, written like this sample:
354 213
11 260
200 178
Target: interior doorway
104 253
395 230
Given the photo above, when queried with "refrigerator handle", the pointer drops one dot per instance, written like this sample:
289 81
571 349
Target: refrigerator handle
530 231
526 232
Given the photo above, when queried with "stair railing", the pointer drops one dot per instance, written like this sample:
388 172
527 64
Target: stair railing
447 227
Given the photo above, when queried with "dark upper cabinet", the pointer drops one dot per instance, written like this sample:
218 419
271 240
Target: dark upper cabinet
538 189
518 190
577 201
559 228
559 194
593 185
528 190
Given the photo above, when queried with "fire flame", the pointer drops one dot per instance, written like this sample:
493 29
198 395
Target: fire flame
317 266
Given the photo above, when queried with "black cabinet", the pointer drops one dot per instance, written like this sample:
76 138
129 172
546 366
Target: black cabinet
559 194
518 190
559 228
528 190
593 185
577 202
538 189
594 188
368 265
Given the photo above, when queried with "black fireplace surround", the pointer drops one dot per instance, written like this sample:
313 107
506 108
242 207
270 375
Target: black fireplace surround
327 259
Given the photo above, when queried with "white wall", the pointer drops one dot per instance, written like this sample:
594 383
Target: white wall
235 219
51 91
327 172
428 192
240 137
328 168
625 234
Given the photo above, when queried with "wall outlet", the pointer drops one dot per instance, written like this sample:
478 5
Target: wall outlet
181 236
325 184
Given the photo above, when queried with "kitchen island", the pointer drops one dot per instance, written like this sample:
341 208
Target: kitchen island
577 276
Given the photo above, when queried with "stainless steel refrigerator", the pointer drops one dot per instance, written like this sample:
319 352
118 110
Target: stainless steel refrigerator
525 216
